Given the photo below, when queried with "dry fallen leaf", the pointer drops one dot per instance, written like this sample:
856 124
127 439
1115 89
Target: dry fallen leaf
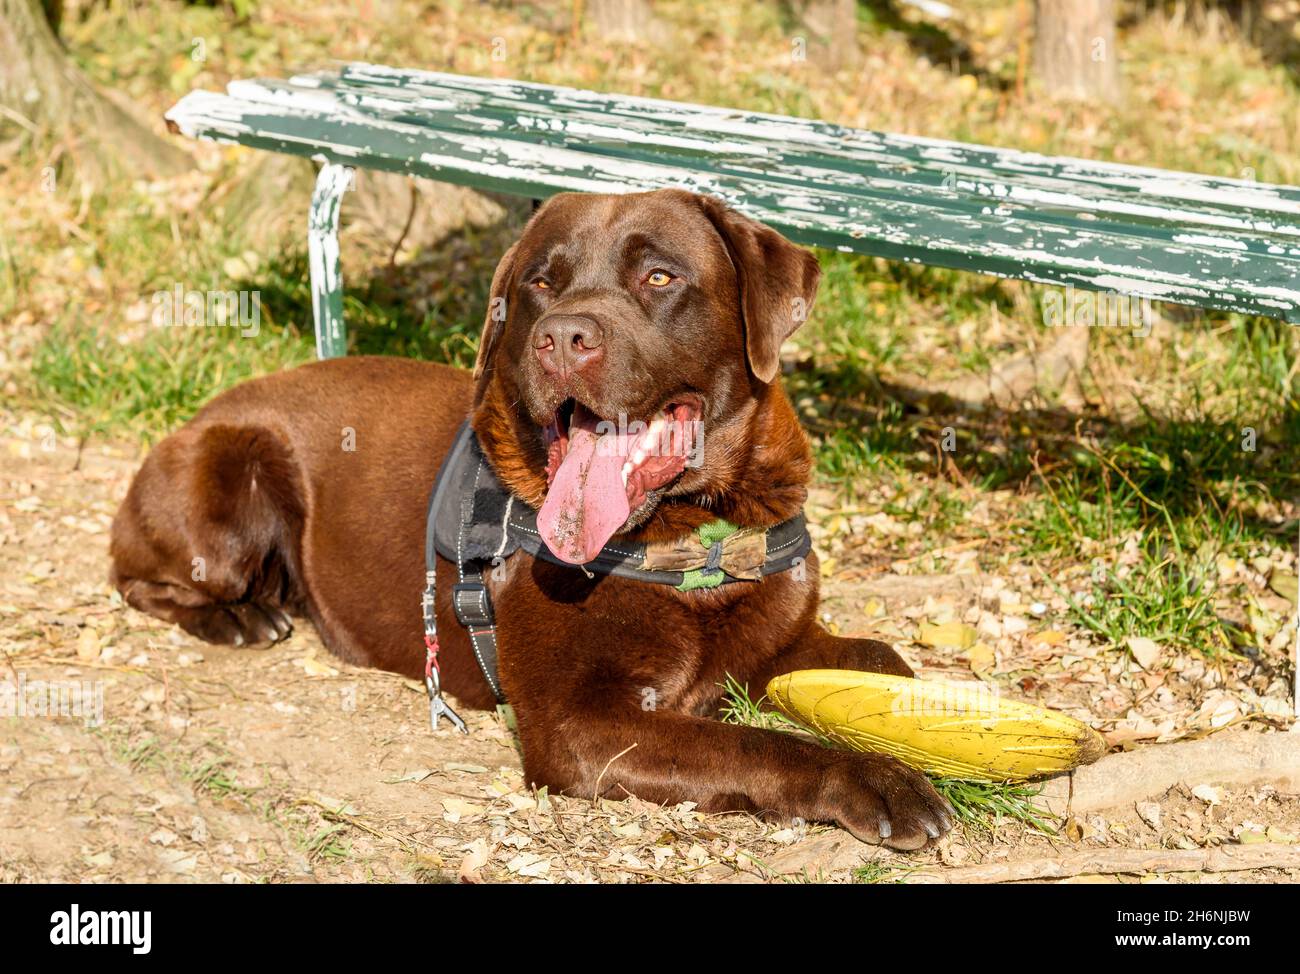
1145 651
1285 584
520 803
630 830
1208 794
980 658
1216 710
178 861
1149 812
1077 830
314 667
952 635
1014 625
336 805
454 809
88 648
529 864
476 857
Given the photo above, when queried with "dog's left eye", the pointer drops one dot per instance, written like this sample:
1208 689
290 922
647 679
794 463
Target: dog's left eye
658 278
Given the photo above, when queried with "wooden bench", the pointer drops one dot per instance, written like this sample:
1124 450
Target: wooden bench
1146 233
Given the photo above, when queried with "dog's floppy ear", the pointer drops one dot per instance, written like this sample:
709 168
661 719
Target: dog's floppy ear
494 322
778 283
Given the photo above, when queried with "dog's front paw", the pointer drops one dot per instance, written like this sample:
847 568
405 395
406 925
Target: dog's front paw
881 800
237 624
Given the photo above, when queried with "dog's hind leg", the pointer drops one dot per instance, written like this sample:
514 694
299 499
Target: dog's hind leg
208 536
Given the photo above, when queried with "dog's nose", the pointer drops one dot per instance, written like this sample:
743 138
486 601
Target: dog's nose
568 344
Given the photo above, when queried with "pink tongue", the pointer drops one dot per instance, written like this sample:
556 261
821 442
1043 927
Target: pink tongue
587 500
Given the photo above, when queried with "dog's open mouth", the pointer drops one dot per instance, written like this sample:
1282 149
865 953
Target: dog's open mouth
599 471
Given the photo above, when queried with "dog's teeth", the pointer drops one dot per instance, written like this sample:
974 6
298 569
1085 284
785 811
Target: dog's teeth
638 457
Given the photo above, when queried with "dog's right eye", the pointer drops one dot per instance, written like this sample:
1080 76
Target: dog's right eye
541 283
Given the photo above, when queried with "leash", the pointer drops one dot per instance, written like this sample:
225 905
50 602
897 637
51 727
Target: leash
474 522
438 705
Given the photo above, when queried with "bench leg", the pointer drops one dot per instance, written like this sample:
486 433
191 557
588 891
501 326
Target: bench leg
323 259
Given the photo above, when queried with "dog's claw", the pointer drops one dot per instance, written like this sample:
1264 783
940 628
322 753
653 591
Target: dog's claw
882 800
239 624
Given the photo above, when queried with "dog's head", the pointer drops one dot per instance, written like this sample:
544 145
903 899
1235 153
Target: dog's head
628 367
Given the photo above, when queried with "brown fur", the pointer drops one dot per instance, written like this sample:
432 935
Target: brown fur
614 682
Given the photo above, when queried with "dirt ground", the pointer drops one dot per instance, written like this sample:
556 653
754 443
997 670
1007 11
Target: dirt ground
285 765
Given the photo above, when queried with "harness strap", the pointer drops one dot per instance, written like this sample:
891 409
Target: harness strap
504 526
473 607
469 596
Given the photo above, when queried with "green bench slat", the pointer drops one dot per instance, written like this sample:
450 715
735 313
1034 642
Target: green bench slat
812 201
1034 199
798 135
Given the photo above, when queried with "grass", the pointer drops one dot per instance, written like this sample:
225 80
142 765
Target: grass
874 873
206 766
93 384
326 843
213 777
147 752
739 708
1158 598
1192 463
986 805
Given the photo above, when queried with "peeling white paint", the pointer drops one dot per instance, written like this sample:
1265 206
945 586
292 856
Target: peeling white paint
1201 240
821 183
323 256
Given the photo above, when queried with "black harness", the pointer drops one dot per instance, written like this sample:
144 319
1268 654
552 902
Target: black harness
476 524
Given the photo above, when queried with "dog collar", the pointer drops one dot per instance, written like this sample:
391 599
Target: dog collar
475 523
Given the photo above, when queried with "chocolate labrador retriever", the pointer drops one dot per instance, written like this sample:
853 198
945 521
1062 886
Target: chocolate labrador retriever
305 493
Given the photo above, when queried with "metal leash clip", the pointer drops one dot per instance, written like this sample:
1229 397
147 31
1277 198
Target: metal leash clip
438 705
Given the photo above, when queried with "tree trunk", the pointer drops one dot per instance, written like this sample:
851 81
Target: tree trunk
621 20
1074 49
832 27
44 93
